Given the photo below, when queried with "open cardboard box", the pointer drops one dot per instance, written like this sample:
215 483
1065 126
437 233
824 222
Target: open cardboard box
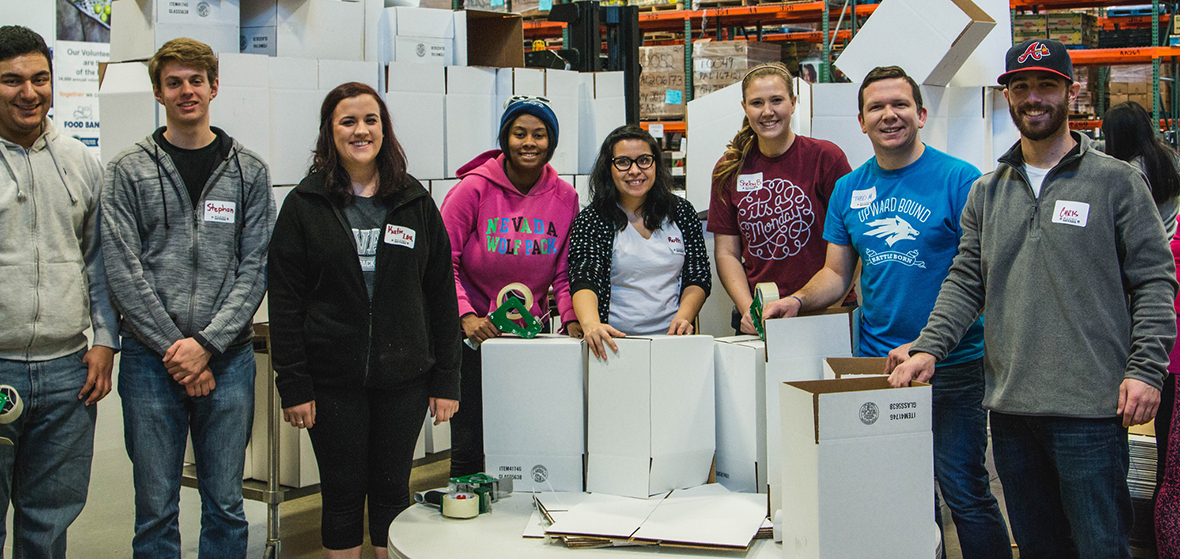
939 37
492 39
740 363
650 421
858 453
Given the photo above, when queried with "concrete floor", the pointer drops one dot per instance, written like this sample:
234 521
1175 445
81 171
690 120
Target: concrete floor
106 526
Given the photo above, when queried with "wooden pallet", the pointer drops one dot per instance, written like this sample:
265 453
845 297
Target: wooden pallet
661 7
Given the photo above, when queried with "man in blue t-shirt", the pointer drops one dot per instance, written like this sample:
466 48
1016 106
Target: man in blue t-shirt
899 215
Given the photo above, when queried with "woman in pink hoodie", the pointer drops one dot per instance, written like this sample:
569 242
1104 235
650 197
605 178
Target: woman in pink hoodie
509 220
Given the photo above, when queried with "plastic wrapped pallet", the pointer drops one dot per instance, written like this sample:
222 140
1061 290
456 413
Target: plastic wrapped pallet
717 64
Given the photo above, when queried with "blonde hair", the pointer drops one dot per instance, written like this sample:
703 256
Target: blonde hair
737 150
187 52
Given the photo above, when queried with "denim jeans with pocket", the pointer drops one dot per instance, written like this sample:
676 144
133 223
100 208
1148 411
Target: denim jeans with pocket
157 418
1065 484
46 471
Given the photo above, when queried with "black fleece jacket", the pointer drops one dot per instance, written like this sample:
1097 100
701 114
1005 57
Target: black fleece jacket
324 329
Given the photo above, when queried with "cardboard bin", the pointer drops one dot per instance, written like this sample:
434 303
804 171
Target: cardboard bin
651 425
856 453
534 411
740 363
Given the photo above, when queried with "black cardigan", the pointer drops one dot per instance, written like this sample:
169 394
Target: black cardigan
592 237
324 328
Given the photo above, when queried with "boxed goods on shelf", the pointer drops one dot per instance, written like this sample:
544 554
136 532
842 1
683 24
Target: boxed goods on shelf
661 82
717 64
1132 82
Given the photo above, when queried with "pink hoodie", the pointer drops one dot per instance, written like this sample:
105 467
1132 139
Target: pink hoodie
500 236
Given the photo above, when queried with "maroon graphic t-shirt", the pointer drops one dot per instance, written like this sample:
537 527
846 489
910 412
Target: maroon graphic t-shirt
777 205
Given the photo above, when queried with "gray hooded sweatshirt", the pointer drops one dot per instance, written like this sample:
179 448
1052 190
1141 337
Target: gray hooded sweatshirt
1078 285
175 272
53 286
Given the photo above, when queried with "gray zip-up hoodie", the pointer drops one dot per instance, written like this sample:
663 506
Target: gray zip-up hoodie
174 272
53 287
1078 285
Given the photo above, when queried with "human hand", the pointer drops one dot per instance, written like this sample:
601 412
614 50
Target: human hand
680 327
897 356
747 326
441 409
100 361
479 329
782 308
598 334
574 329
919 367
200 385
186 358
301 416
1137 402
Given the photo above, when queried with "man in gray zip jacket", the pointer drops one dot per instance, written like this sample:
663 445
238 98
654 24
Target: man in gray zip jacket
187 215
1063 247
52 290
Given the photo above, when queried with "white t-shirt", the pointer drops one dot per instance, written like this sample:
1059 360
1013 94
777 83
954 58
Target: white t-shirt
1036 176
645 280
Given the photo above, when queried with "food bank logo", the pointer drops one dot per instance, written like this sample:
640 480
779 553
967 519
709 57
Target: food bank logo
1036 50
869 413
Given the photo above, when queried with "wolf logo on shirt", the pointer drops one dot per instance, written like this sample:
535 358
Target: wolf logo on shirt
894 229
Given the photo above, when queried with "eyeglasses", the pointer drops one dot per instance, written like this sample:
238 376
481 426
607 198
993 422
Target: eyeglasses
516 98
623 163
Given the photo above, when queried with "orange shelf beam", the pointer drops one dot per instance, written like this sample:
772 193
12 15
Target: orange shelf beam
1107 57
669 126
673 20
1064 4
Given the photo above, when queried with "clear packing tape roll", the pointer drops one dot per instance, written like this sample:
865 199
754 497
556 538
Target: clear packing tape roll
460 505
764 293
519 289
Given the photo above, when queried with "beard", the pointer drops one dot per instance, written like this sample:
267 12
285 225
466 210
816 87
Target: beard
1057 115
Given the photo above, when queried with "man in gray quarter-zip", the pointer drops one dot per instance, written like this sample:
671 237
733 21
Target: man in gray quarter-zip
186 221
1063 247
52 290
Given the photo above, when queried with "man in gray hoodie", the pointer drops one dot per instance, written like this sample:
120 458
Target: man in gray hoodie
187 215
53 289
1063 247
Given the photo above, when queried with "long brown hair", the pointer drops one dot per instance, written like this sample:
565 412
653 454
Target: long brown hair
735 153
391 160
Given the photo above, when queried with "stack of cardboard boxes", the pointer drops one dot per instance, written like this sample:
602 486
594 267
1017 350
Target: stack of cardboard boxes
1071 28
717 64
1133 83
661 82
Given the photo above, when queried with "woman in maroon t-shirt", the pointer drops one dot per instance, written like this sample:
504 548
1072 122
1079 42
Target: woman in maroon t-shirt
770 195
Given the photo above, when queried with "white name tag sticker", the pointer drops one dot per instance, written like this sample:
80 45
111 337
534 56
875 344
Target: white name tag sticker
219 212
676 245
1071 213
863 198
398 235
749 183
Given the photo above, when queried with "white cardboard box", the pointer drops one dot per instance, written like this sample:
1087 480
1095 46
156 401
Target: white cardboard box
714 119
602 108
534 411
651 424
242 106
417 35
415 94
740 363
834 118
143 26
582 186
472 118
939 37
335 72
844 444
295 100
331 29
439 189
562 88
126 90
518 81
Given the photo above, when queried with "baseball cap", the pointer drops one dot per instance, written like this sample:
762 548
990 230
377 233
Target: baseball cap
1046 55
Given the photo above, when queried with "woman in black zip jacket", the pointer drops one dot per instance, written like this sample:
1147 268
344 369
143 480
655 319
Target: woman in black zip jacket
364 320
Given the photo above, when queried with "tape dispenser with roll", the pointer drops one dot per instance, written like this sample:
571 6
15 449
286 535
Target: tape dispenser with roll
460 505
11 407
763 293
513 304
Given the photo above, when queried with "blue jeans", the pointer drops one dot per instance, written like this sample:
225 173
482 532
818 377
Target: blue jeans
1065 483
46 472
960 442
157 416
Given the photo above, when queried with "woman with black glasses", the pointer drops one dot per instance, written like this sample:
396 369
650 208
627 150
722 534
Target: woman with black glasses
638 263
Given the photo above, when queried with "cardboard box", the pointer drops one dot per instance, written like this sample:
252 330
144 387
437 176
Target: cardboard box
143 26
563 87
519 81
844 442
440 188
601 109
331 29
490 39
539 442
668 58
295 100
242 106
714 120
126 90
415 96
834 118
418 35
662 95
472 118
582 186
940 36
740 363
650 416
